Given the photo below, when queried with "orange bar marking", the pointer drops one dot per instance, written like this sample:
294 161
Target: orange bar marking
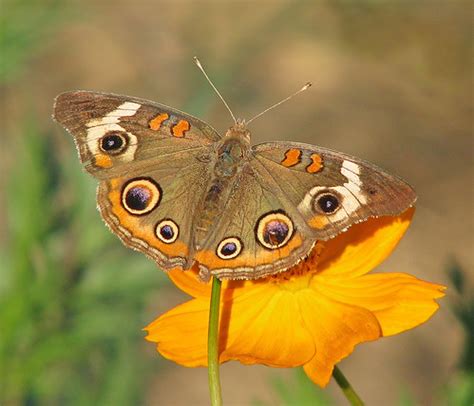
180 129
103 161
316 164
156 122
319 221
292 157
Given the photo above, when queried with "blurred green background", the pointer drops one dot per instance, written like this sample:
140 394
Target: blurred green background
392 84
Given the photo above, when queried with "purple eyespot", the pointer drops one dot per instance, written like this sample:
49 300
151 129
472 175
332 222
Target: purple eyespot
229 248
167 231
140 196
275 232
274 229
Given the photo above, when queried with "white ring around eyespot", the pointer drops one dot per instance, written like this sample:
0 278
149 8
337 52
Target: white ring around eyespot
348 201
225 241
173 226
98 127
148 184
278 216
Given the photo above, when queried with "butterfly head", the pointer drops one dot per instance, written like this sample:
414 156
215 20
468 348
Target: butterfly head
239 130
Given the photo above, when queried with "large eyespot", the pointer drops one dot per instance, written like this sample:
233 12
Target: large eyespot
327 202
229 248
141 196
274 229
167 231
113 142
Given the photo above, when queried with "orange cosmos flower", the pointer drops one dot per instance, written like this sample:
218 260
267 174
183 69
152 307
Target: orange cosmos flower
312 315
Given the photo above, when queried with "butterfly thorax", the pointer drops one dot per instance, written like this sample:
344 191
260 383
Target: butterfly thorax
229 159
231 151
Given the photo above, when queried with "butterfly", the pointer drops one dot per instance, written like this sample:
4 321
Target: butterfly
173 188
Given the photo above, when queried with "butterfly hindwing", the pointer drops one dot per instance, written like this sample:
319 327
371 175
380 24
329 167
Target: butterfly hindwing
154 211
256 234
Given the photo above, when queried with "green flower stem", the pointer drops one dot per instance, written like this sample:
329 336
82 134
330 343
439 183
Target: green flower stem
213 345
346 388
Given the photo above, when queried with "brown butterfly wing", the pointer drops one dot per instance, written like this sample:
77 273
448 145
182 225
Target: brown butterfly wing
315 192
154 212
331 190
153 163
250 206
146 130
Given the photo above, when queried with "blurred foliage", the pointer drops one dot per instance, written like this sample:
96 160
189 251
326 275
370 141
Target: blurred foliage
72 302
463 309
297 391
24 24
461 390
300 391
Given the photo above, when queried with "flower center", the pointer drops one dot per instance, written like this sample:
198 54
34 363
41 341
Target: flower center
299 276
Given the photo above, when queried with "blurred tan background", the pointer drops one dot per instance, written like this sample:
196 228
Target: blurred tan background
392 83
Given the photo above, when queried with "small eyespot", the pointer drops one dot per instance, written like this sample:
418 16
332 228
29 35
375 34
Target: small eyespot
274 230
229 248
327 202
141 196
113 142
167 231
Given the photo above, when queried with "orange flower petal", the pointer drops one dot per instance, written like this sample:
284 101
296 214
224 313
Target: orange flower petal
345 254
268 330
364 246
188 281
399 301
336 328
181 333
312 316
261 326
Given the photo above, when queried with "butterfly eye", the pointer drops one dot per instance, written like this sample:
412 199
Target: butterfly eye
113 142
326 202
274 230
229 248
167 231
141 196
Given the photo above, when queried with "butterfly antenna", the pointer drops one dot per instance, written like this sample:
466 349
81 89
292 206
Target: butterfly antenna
198 63
306 86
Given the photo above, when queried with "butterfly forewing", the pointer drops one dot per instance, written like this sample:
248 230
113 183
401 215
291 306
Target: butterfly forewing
115 133
153 162
330 189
